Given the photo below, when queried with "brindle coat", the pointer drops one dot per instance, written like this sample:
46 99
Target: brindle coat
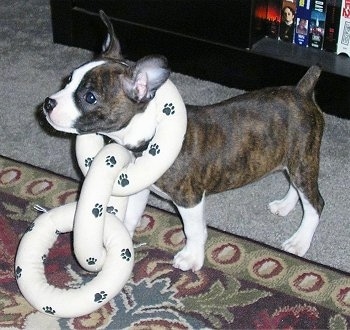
237 141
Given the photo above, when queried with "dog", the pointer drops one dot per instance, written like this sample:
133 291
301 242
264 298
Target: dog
227 145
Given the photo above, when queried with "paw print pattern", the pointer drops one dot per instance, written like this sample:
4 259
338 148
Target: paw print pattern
49 310
111 161
91 261
126 254
154 149
169 109
18 272
88 161
123 180
100 296
44 258
97 210
112 210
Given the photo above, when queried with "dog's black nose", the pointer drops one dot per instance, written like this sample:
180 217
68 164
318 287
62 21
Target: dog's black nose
49 104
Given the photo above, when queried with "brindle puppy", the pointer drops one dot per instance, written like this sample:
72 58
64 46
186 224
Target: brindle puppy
227 145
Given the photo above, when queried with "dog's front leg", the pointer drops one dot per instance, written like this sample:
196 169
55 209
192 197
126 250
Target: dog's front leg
136 206
195 228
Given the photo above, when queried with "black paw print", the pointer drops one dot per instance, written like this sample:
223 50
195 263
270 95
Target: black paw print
91 261
169 109
154 149
18 272
112 210
30 227
100 296
49 310
44 258
97 210
123 180
126 254
111 161
88 161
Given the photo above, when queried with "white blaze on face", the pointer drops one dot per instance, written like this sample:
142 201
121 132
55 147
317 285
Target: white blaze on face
65 113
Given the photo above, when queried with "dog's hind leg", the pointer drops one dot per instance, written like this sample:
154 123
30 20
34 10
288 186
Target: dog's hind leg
284 206
191 257
312 203
303 169
300 242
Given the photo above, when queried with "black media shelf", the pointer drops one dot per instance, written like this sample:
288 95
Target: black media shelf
207 39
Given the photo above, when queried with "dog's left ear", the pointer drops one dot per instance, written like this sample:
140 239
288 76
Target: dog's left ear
111 45
145 77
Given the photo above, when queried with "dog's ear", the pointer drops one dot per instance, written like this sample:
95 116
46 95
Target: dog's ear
111 45
145 77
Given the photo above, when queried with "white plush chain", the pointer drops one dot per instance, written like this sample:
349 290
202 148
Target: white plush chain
104 245
101 242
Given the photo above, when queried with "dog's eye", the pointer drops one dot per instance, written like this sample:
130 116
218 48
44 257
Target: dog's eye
90 98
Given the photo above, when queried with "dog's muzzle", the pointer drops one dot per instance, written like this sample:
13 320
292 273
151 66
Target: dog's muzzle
49 104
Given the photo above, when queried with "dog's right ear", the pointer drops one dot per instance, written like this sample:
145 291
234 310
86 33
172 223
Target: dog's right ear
111 45
143 79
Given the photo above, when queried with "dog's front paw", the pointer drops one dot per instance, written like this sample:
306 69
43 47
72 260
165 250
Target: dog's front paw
298 244
188 260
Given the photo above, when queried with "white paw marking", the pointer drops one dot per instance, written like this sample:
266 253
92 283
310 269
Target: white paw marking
284 206
189 260
280 207
191 257
300 242
297 244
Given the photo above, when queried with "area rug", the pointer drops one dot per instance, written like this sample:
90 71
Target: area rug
243 285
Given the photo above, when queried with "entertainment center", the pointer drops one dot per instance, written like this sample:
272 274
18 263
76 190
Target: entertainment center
208 39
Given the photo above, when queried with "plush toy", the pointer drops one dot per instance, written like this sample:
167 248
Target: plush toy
101 242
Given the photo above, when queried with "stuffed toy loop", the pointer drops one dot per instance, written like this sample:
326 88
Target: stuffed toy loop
34 248
101 243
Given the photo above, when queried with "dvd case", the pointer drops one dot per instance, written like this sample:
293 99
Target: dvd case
317 23
267 16
287 25
331 31
343 45
303 15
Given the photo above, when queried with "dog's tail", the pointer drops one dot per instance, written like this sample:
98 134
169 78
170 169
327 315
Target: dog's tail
307 83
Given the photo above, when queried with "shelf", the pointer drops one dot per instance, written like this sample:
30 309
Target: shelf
332 63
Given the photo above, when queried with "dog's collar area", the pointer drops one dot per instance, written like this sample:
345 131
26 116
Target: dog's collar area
136 150
121 62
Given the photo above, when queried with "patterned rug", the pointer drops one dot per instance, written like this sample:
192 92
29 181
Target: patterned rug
244 285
